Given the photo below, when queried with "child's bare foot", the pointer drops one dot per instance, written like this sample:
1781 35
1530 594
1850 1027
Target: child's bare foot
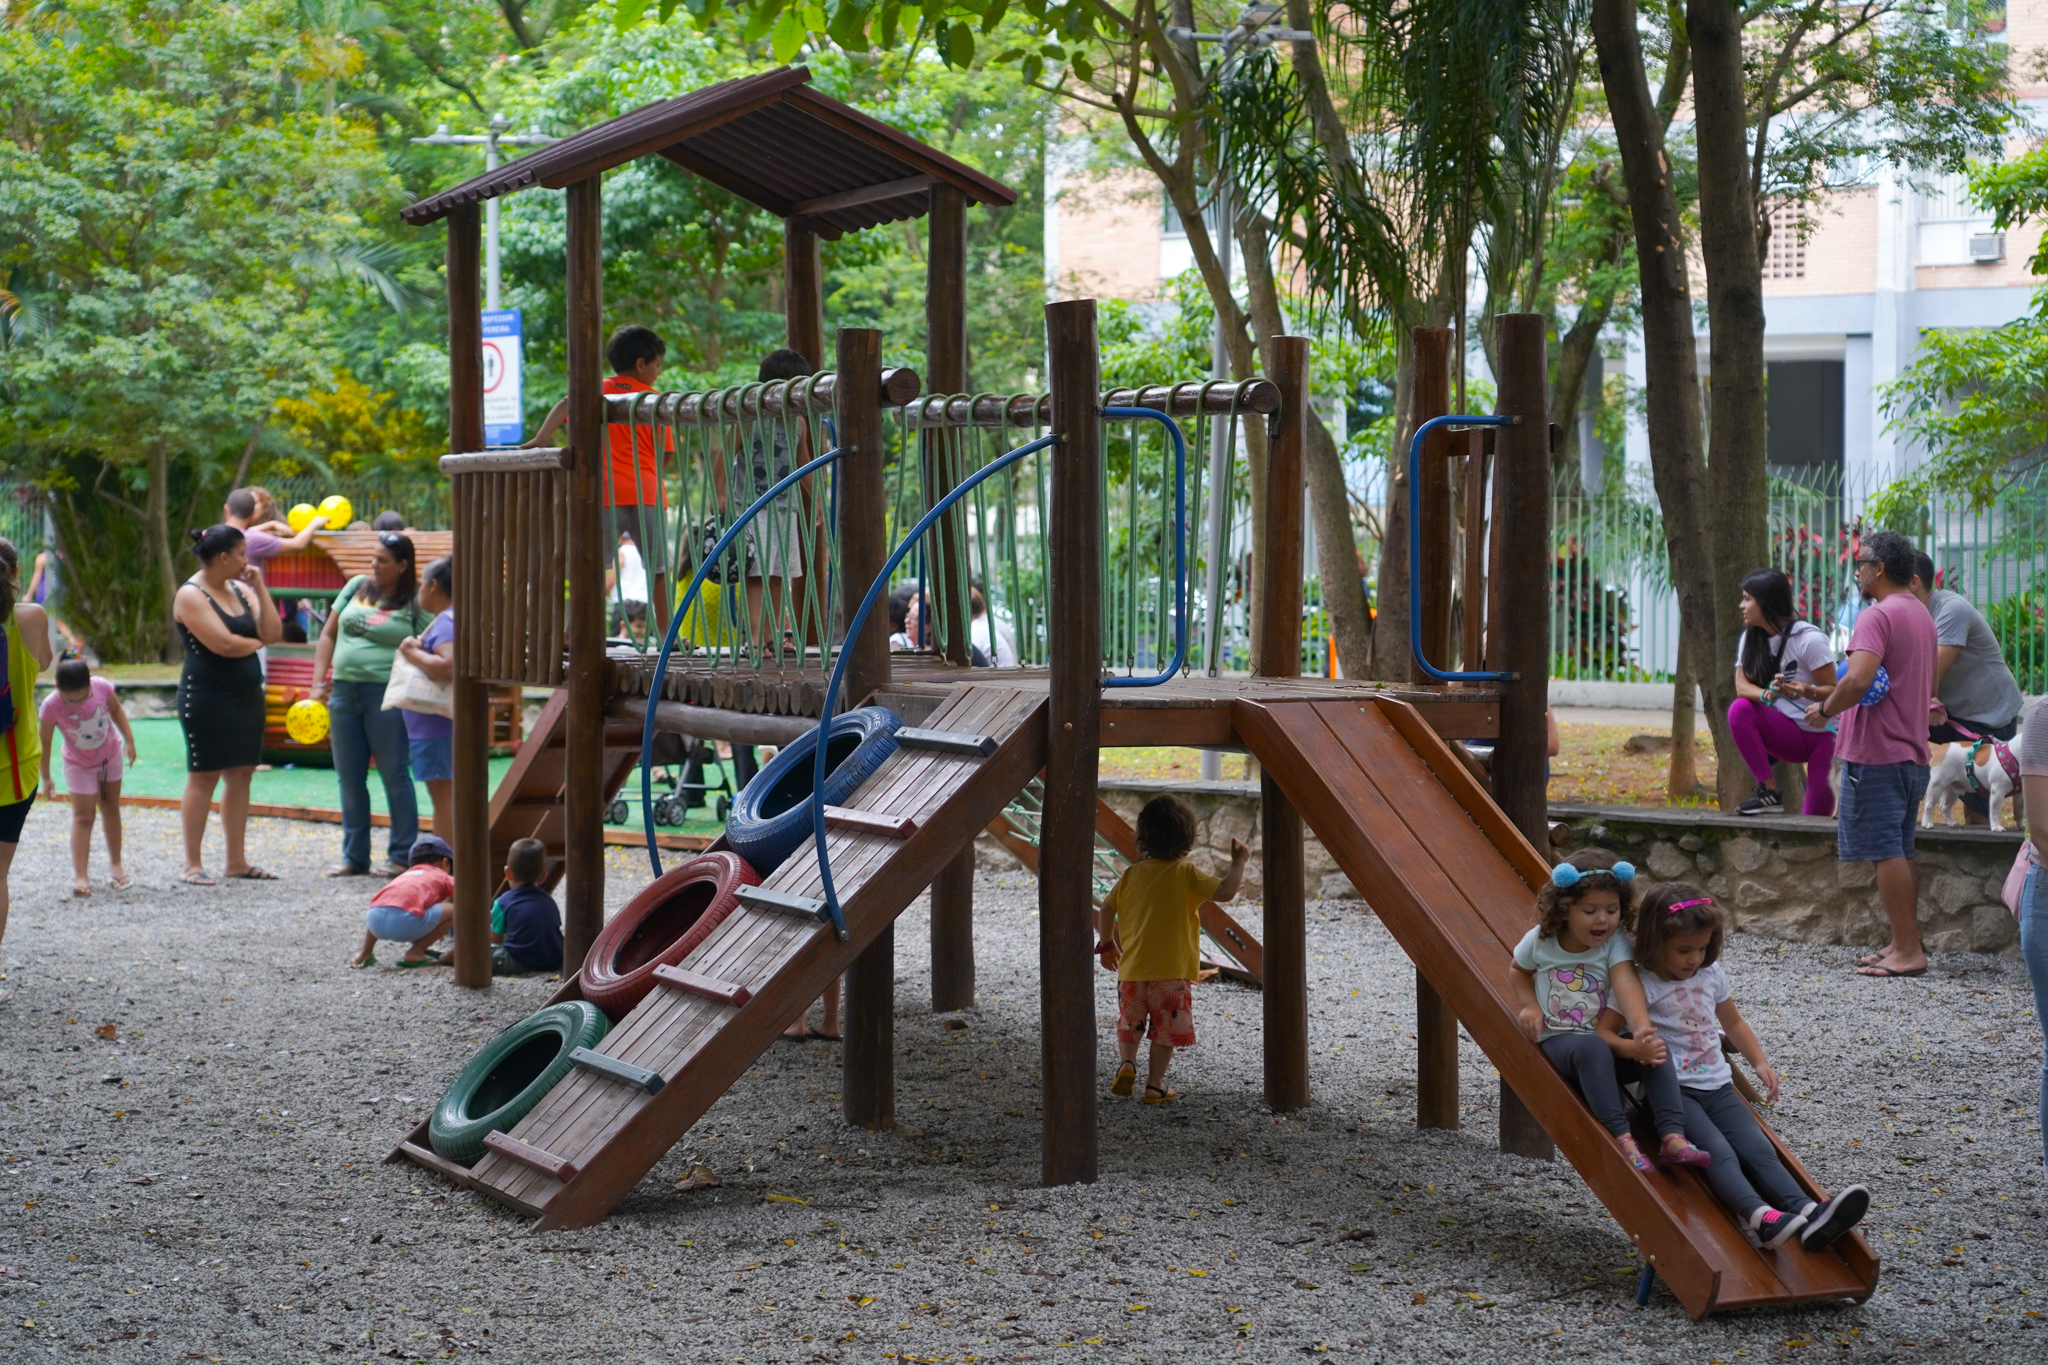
1126 1077
1627 1143
81 887
1160 1094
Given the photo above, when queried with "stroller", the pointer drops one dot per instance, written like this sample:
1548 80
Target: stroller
685 788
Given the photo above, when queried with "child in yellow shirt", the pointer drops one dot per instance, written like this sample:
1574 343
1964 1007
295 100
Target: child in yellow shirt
1149 932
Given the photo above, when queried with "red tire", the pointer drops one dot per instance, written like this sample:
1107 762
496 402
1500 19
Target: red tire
661 924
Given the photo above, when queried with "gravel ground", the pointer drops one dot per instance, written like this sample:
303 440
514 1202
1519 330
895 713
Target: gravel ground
206 1183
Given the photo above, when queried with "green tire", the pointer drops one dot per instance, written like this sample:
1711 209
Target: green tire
504 1081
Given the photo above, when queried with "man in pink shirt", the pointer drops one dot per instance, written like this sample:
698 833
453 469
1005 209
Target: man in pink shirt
241 511
1883 744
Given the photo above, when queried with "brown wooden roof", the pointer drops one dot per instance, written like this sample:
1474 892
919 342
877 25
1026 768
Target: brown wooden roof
770 139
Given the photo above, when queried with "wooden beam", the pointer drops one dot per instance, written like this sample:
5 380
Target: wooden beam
1436 1058
1472 647
868 1063
474 875
803 292
1520 768
1433 530
1281 856
1066 905
945 322
588 681
868 194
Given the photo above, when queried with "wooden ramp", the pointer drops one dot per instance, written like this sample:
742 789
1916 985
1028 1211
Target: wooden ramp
597 1132
1453 879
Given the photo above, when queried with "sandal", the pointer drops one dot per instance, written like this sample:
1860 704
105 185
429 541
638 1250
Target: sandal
254 874
1678 1151
357 964
1627 1143
346 870
1879 970
421 962
198 877
1160 1094
81 888
123 882
1126 1077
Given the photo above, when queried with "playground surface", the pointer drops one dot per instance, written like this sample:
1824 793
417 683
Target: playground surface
210 1179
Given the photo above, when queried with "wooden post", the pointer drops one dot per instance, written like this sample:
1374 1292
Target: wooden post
1433 399
1066 863
868 1063
1436 1058
803 290
945 352
583 784
1520 757
1473 646
1281 856
471 837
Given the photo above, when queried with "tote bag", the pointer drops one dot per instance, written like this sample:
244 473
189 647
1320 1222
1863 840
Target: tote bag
410 689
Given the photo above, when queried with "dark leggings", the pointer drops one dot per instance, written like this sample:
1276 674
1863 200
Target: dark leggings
1593 1068
1719 1122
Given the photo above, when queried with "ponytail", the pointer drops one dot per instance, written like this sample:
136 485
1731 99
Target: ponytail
10 569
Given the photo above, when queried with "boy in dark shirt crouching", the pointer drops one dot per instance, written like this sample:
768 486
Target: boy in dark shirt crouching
526 925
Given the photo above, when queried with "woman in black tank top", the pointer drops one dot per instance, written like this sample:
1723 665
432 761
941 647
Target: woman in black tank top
224 615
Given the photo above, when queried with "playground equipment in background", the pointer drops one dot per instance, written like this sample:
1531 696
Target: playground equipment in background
338 510
288 682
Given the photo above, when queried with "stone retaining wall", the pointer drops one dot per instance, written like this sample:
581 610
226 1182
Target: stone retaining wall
1778 876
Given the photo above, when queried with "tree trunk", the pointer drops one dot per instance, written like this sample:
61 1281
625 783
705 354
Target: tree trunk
1329 504
1575 351
1670 354
156 511
1390 655
1738 511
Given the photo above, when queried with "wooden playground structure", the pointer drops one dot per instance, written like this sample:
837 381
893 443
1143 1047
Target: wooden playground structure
1448 858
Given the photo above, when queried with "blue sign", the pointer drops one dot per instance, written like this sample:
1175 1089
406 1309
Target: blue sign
504 413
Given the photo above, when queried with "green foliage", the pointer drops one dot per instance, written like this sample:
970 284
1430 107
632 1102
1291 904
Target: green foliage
2021 624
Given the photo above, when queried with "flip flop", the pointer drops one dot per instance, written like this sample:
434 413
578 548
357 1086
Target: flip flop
421 962
1156 1095
1126 1077
122 883
1870 959
81 889
1879 971
198 879
254 874
369 961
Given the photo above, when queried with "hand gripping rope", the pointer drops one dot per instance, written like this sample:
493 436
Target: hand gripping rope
675 626
1415 547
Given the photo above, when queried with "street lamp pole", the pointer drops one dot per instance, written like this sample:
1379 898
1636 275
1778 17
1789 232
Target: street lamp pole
494 137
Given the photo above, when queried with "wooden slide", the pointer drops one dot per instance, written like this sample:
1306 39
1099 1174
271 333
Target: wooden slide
601 1129
1453 880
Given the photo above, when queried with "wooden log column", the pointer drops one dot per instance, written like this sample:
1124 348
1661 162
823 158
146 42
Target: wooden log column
471 837
1281 856
583 786
945 314
1066 862
868 1091
1436 1028
1522 626
803 290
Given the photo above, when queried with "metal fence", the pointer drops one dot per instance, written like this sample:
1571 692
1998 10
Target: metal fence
1615 617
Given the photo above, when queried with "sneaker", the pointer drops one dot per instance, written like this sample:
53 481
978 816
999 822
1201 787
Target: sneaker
1765 802
1773 1229
1835 1218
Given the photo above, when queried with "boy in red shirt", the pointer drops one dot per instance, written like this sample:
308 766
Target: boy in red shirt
416 907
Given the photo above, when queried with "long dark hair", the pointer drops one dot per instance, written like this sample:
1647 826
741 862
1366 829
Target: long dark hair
1772 593
407 589
10 565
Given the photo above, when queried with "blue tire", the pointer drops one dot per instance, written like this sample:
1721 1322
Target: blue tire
771 817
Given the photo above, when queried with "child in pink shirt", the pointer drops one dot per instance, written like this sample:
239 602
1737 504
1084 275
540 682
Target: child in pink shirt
95 728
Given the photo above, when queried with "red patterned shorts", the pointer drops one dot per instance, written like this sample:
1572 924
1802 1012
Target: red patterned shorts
1169 1005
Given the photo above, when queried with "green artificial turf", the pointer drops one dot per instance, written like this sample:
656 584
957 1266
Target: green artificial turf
160 771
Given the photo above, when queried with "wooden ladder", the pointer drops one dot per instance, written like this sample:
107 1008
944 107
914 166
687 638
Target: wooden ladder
528 801
604 1126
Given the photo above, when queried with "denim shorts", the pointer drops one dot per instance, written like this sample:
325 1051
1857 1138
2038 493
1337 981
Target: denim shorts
403 926
1880 806
433 760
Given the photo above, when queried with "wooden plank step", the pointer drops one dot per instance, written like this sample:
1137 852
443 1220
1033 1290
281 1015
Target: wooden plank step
781 902
703 987
894 826
946 741
531 1157
639 1077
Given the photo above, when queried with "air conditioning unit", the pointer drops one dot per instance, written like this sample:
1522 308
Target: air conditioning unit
1987 246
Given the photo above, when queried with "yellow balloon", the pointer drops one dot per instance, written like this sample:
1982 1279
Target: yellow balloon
306 721
299 516
339 512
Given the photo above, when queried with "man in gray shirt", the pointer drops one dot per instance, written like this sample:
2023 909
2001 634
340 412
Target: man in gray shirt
1972 681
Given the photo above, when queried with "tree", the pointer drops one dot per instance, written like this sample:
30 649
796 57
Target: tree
163 179
1789 96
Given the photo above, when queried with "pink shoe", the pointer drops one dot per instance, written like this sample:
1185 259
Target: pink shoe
1679 1152
1627 1143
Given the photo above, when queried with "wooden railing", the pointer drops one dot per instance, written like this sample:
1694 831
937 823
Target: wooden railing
511 546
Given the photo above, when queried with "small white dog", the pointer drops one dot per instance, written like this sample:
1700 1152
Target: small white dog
1991 764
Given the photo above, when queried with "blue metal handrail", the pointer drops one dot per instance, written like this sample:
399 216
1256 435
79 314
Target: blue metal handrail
853 629
675 626
1415 548
1180 543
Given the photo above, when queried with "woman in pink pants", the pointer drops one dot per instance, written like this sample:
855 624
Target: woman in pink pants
1766 725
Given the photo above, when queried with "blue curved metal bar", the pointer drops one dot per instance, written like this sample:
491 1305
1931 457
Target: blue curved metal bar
675 626
853 629
1180 544
1415 547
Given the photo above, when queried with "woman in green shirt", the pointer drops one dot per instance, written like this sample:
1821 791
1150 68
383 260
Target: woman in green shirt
373 612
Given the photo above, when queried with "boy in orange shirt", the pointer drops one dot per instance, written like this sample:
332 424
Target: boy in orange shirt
1149 931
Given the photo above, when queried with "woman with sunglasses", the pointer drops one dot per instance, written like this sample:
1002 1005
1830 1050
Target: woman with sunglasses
371 615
